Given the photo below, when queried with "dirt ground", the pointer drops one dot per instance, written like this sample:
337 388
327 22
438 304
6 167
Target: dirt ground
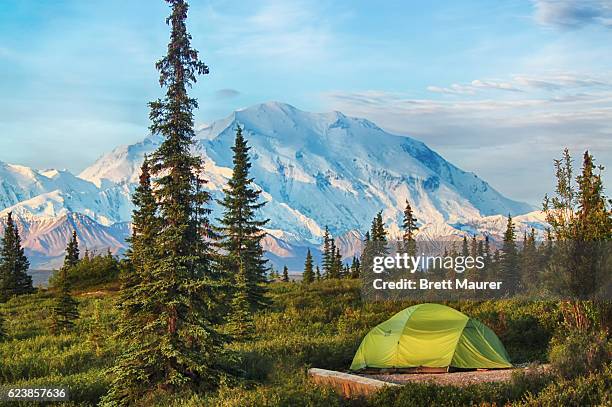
454 378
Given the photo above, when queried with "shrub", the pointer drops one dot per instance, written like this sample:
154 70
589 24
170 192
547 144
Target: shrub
91 271
579 353
590 390
427 394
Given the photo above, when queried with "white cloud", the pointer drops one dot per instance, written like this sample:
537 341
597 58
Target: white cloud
561 81
573 13
509 140
524 83
494 85
454 89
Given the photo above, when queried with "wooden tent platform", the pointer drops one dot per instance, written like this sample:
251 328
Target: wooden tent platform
349 385
368 382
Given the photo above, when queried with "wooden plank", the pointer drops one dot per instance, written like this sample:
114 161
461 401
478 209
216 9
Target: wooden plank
405 370
349 385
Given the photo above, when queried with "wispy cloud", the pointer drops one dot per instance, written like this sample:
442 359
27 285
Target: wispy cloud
561 81
454 89
473 87
479 132
525 83
573 13
485 84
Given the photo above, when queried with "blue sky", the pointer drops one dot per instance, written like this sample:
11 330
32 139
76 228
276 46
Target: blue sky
498 88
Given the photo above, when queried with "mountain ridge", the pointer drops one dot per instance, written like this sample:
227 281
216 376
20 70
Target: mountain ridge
314 170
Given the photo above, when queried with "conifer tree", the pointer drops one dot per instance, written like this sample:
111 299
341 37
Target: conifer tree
328 254
142 253
240 320
14 279
472 272
509 266
480 249
145 223
240 230
308 276
64 310
285 274
378 233
337 267
409 225
355 268
474 247
375 244
175 344
72 251
594 218
528 260
487 246
465 251
318 273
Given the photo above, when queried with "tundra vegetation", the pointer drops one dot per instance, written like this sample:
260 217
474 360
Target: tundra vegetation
190 316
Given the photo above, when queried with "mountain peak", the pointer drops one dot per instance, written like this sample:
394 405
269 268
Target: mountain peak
314 170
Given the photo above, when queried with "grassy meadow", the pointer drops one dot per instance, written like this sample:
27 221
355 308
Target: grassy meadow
317 325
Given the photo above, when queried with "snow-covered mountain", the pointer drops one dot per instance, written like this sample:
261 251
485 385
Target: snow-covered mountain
315 169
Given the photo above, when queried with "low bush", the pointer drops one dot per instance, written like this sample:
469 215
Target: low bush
579 353
590 390
91 271
429 394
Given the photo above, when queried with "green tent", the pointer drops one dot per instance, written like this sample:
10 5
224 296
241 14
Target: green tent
432 336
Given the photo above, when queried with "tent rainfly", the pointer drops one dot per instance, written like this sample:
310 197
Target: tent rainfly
432 336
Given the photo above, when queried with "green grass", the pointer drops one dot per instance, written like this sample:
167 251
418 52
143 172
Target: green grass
320 325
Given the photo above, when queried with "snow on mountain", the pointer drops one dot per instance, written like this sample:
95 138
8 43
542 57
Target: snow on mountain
320 169
19 183
315 169
45 238
53 193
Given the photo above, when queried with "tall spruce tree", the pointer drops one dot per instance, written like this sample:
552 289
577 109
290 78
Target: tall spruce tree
240 230
509 267
375 246
142 254
240 322
465 250
308 276
594 217
328 254
72 251
64 310
355 266
14 265
145 223
474 247
409 226
285 274
378 233
338 267
177 345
